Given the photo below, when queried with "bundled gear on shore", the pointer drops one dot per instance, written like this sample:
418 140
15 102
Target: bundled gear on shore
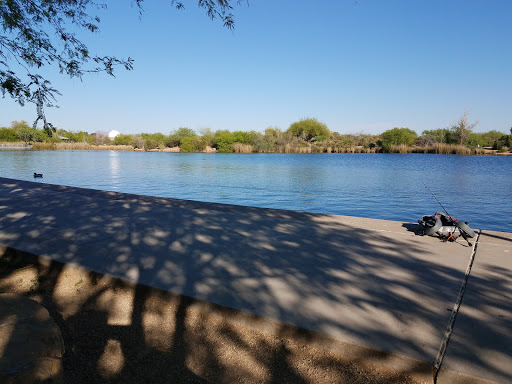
446 227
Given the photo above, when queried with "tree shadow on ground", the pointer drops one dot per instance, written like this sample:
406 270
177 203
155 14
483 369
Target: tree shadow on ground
313 276
156 336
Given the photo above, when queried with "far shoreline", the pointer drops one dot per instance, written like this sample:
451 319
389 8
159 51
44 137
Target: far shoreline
453 150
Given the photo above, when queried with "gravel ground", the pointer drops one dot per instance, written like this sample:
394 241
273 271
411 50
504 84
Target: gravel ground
116 332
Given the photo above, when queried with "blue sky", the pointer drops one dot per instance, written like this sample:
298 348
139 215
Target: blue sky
358 66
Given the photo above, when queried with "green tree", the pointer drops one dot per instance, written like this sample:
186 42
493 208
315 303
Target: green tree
491 137
38 33
504 142
193 144
123 140
475 140
397 136
440 135
308 128
207 135
153 140
80 137
223 140
175 138
8 134
26 134
244 137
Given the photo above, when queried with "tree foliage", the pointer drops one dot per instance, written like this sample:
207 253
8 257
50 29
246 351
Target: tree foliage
39 33
8 135
175 138
397 136
440 135
123 140
193 144
223 140
504 142
308 128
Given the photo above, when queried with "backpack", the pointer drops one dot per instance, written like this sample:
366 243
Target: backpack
445 227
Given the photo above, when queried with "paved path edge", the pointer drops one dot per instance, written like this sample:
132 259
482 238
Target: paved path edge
418 369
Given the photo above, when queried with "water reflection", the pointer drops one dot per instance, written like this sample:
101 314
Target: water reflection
472 188
115 169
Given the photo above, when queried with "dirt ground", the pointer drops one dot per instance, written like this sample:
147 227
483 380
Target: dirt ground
118 332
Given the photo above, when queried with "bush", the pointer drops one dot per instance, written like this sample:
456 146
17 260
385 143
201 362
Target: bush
175 138
490 137
503 141
193 144
476 140
150 144
223 141
40 136
397 136
123 140
80 137
26 134
8 134
308 128
440 135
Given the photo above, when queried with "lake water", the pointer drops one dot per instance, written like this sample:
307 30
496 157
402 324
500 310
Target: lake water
477 189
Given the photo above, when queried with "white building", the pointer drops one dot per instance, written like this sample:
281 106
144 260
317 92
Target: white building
112 134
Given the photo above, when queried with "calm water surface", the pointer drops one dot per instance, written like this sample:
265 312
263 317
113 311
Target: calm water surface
477 189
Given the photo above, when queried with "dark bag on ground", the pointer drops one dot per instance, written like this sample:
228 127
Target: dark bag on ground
445 227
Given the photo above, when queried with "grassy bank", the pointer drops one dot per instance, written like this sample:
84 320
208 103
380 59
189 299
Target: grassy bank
80 147
305 136
329 147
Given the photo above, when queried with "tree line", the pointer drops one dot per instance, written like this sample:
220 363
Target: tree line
305 136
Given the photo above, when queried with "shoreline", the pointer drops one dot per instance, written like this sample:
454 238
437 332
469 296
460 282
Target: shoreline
311 150
304 296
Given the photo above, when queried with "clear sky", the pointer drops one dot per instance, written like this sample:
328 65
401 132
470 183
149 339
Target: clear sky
358 66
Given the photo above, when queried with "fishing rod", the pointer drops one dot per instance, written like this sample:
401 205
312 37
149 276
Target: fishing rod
455 221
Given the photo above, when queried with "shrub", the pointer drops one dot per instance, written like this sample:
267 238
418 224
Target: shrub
440 135
503 141
475 140
308 128
490 137
193 144
398 136
26 134
123 140
8 134
175 138
150 144
223 141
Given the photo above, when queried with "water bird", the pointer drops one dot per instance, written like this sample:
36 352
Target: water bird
36 175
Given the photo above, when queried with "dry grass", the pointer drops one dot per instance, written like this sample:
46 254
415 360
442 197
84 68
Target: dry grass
400 148
243 148
445 149
79 147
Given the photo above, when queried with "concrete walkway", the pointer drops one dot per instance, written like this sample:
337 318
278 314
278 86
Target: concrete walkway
370 285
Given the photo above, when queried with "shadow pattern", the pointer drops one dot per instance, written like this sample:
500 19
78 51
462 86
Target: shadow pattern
315 276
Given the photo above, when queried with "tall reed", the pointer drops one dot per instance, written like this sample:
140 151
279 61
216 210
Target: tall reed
242 148
400 148
79 147
446 149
